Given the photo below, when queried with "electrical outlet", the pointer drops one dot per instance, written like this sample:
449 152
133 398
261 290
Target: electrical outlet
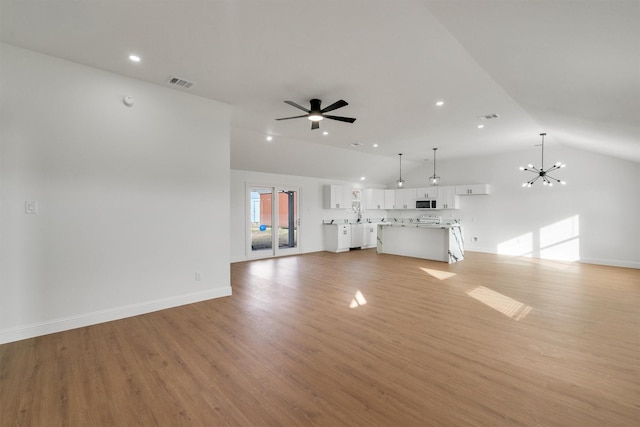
31 207
198 276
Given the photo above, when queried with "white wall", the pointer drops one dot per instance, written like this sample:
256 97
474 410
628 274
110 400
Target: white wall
595 217
130 199
312 213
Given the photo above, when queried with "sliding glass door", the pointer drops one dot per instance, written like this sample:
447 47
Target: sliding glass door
273 221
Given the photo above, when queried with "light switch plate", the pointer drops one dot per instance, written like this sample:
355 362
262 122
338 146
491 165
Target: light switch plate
30 207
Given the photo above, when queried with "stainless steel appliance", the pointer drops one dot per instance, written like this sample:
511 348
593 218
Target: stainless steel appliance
426 204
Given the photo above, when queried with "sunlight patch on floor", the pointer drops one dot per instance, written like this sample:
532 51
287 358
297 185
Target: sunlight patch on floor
358 300
438 274
502 303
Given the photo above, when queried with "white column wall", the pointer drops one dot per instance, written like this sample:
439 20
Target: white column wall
130 200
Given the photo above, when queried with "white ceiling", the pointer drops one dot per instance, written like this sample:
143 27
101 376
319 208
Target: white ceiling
569 68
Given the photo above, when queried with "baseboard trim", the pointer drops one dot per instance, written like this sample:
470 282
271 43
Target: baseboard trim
597 261
610 262
72 322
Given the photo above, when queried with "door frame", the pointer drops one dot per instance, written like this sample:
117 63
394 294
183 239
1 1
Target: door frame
275 251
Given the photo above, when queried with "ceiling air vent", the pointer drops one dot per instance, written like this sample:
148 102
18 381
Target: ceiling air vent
177 81
489 116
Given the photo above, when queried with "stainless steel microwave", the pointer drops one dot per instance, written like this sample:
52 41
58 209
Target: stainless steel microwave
426 204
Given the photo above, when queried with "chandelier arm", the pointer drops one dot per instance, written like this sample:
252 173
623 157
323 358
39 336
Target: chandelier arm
542 173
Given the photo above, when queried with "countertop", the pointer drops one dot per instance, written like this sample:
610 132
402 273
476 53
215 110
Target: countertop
417 225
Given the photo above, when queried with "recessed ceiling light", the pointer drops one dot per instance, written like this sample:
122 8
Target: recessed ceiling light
325 133
440 103
480 126
362 178
134 58
375 145
269 138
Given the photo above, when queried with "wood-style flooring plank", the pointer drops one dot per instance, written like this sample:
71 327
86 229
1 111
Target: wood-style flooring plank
352 339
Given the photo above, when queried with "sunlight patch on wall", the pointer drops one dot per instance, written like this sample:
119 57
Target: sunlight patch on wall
502 303
560 240
518 246
438 274
358 300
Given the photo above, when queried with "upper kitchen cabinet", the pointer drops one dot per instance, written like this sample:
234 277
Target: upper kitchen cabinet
406 198
389 199
472 189
373 198
336 197
427 193
447 198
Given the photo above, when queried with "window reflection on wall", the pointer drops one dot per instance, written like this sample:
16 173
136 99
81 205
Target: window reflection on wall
557 241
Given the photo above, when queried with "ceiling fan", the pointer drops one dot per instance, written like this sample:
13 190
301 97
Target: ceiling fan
315 113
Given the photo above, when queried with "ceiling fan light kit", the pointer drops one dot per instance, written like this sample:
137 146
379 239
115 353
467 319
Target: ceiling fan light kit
542 173
315 113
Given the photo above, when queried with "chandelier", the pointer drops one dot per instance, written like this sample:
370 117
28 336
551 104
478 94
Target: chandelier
434 180
400 181
542 173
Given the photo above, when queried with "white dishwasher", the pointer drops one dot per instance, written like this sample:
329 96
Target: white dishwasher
356 236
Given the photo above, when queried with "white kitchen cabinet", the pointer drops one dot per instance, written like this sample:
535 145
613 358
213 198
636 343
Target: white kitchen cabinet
373 198
406 198
370 235
337 237
336 197
447 198
389 199
472 189
357 233
427 193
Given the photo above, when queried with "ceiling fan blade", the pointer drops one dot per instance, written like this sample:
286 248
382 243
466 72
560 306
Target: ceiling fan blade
334 106
315 125
340 118
294 117
293 104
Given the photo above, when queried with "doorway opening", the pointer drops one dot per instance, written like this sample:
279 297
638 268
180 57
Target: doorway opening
273 224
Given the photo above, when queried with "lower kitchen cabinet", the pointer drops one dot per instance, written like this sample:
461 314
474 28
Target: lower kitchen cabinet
342 237
337 237
369 236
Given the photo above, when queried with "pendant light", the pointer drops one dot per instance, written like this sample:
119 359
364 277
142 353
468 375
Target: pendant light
541 173
434 180
400 181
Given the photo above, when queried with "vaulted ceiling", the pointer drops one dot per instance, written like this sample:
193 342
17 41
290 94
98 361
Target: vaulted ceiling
569 68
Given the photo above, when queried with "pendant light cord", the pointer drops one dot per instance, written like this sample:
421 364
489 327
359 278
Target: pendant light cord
434 162
542 162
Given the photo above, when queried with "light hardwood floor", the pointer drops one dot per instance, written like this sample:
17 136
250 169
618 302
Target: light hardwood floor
352 339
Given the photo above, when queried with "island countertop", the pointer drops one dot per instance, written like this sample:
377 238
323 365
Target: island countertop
416 225
439 242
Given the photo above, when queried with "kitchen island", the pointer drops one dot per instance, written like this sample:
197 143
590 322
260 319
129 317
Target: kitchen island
435 242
